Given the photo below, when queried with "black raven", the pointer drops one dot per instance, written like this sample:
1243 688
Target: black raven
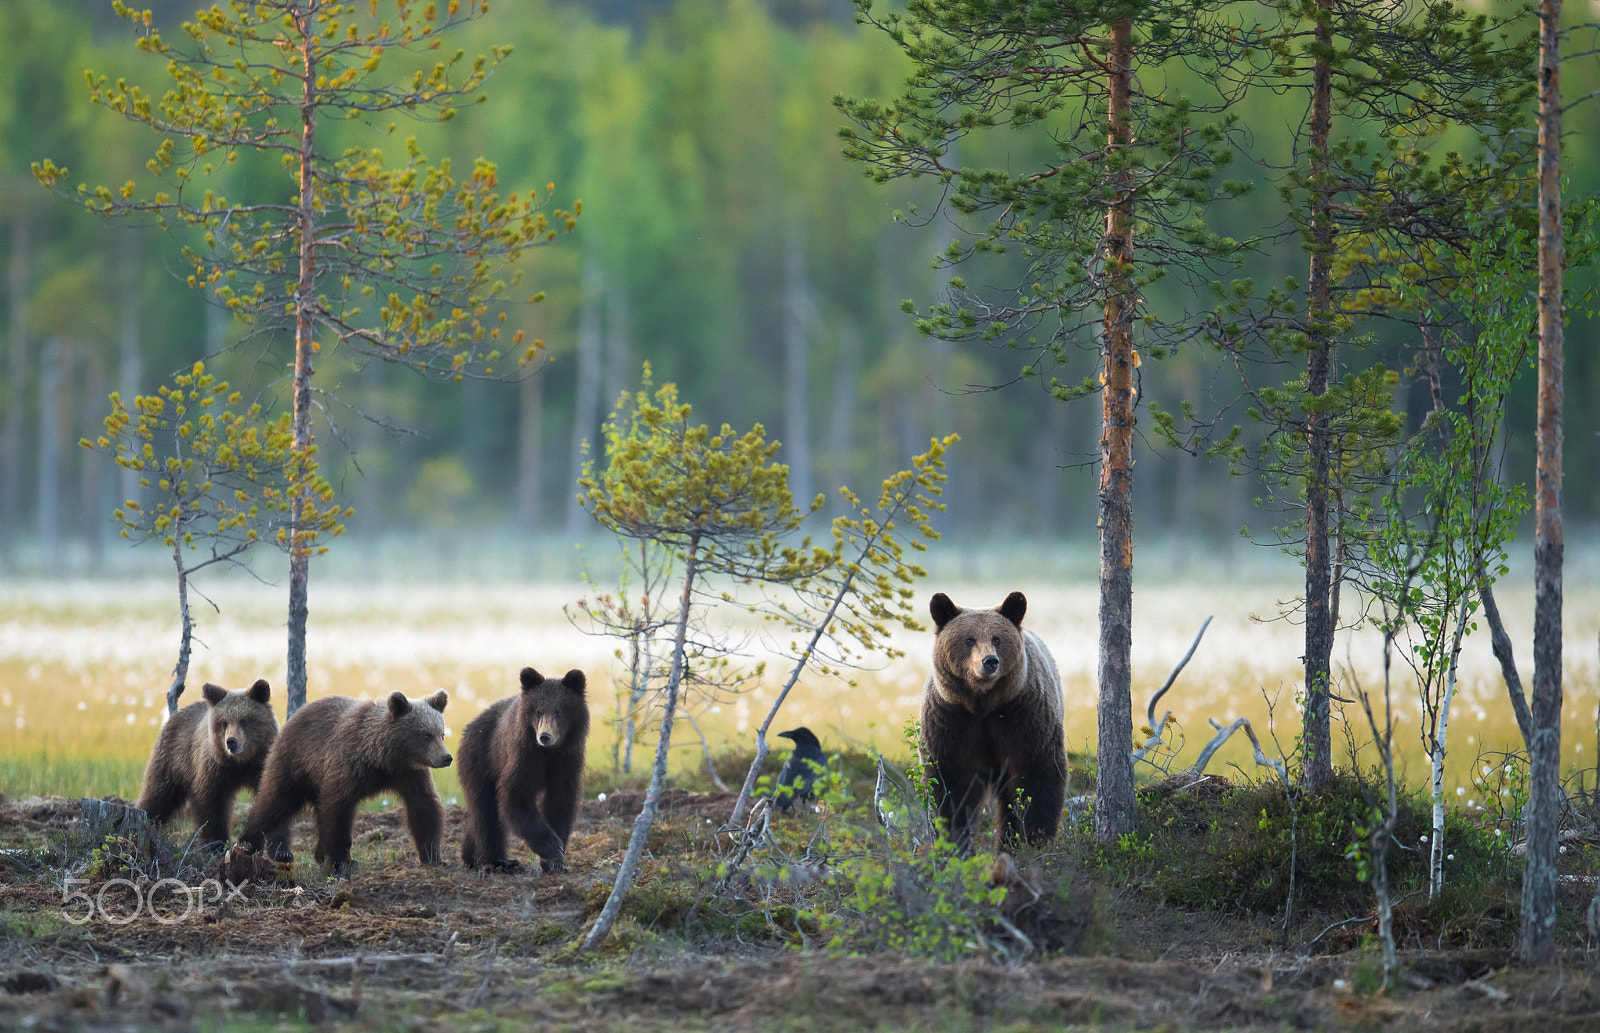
800 771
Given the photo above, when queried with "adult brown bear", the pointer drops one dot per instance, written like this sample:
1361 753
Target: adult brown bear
336 752
522 766
206 754
992 722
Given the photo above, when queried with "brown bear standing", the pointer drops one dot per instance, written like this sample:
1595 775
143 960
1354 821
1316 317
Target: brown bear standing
336 752
992 721
206 754
522 766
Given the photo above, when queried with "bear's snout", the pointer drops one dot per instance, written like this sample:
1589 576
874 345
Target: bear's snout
234 745
444 761
991 664
546 739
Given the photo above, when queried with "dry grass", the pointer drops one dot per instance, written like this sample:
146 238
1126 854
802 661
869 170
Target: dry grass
84 665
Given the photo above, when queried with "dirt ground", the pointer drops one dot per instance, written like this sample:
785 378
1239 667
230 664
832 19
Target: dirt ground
441 949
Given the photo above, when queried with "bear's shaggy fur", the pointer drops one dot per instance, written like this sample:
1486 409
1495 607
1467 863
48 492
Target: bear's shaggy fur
206 754
336 752
522 766
992 721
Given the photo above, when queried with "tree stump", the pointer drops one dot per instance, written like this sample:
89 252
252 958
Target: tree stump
103 818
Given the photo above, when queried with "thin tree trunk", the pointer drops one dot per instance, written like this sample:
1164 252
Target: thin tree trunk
93 475
49 468
1440 735
130 358
1501 644
180 671
658 775
617 366
16 387
1114 813
305 299
586 398
797 324
741 806
530 448
1318 770
1543 809
841 425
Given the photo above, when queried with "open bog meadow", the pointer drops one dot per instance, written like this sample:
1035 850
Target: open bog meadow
84 668
1230 909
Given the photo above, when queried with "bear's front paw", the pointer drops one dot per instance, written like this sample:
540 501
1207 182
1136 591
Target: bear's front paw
556 865
548 845
509 865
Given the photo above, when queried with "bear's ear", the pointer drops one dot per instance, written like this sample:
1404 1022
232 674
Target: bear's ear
575 681
942 609
437 700
214 694
261 692
531 679
1014 607
399 706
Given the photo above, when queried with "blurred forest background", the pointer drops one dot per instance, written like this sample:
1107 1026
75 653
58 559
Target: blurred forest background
723 239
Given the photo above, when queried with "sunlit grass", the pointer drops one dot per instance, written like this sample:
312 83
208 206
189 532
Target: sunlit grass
84 669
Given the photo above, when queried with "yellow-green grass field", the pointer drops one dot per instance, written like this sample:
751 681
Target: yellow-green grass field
84 667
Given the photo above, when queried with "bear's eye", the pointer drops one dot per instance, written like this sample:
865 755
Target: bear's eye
223 725
996 641
558 715
971 642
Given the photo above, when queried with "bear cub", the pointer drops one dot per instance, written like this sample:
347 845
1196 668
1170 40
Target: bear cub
993 722
522 767
336 752
206 753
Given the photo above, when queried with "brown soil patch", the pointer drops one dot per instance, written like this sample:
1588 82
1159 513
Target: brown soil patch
438 949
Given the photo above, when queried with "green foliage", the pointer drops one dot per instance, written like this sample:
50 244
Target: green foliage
215 472
933 904
1233 850
719 500
863 586
408 262
983 71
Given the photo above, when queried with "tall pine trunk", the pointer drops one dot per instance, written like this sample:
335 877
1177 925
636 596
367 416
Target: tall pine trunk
1543 809
16 387
51 385
305 298
1318 770
530 449
1114 801
93 477
130 357
586 397
796 346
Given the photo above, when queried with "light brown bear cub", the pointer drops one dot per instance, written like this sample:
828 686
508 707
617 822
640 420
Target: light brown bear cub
522 766
336 752
992 722
206 754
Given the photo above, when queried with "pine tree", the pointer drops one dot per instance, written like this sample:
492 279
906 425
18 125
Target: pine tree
411 263
1120 157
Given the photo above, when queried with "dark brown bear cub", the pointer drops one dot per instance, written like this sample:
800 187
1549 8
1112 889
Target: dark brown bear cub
522 766
206 754
992 722
336 752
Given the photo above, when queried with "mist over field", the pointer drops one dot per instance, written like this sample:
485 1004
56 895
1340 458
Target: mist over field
84 664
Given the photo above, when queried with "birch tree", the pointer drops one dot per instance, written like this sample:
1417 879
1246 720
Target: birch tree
719 502
216 477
